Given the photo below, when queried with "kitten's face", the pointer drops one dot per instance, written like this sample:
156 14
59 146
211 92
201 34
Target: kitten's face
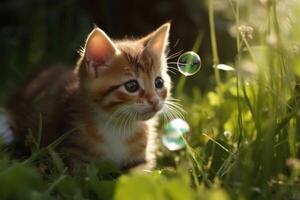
128 77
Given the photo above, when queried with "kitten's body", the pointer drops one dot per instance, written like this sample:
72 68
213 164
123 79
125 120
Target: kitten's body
90 101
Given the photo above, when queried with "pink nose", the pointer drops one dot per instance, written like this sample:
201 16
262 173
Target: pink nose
153 101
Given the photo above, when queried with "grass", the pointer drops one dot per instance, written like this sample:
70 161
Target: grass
244 141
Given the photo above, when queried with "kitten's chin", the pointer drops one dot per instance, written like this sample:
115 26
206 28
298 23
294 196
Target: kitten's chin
146 116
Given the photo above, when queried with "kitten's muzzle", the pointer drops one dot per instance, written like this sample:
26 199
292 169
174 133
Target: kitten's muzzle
154 103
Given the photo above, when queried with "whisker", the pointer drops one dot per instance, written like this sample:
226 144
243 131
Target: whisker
116 119
118 124
171 113
168 113
172 63
171 71
176 43
134 118
172 68
114 115
173 109
130 122
175 105
174 55
178 108
165 115
173 99
176 63
176 112
126 121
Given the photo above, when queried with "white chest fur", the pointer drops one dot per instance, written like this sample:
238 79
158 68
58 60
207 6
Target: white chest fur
115 147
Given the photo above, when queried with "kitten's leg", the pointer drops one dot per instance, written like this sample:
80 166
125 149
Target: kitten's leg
71 161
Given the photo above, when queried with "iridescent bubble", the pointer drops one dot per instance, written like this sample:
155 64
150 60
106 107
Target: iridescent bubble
174 130
189 63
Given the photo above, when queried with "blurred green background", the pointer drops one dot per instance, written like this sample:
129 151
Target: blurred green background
39 33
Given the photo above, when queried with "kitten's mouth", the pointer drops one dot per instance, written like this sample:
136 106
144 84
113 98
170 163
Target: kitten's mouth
148 114
151 112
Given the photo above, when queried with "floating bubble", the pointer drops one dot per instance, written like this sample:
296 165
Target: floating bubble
227 134
189 63
174 130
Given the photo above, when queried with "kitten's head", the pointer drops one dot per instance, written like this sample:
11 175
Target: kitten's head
126 77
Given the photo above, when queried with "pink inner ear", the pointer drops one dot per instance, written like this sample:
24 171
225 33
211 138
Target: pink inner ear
159 40
98 51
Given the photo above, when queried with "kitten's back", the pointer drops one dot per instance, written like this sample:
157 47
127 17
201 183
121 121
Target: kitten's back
46 97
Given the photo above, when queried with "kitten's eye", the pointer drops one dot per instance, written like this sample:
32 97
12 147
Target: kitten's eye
132 86
159 82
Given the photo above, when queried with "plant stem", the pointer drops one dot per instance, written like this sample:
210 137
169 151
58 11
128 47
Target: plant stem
213 40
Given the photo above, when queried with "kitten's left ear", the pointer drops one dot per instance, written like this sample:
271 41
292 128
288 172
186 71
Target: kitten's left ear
99 50
157 42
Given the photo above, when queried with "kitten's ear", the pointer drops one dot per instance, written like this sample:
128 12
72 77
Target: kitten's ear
99 50
157 42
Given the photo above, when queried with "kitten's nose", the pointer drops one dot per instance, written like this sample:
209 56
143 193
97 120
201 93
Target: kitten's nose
153 101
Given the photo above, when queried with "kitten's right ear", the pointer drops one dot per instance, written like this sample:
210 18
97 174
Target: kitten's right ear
98 51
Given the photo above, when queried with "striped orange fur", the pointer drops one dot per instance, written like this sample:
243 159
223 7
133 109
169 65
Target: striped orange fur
110 101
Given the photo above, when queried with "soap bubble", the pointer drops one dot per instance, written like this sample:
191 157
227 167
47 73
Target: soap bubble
174 130
189 63
227 134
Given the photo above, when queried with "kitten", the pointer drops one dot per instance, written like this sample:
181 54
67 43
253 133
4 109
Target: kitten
110 101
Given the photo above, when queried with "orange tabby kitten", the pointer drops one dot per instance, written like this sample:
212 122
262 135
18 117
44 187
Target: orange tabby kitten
110 101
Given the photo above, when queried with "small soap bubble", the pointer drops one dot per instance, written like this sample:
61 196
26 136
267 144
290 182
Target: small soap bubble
227 134
189 63
174 130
